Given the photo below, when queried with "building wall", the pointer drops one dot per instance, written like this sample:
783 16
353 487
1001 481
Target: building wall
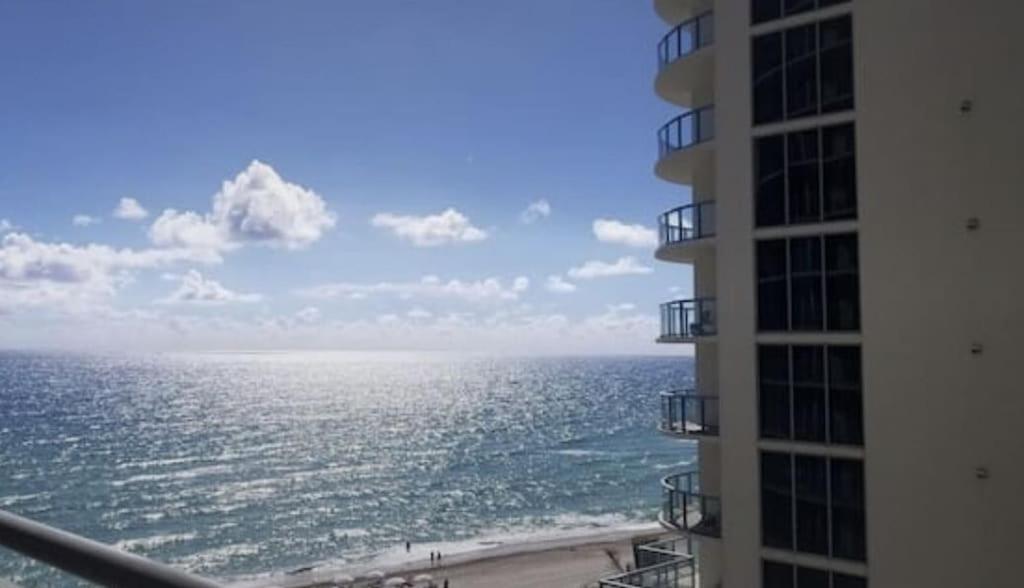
931 288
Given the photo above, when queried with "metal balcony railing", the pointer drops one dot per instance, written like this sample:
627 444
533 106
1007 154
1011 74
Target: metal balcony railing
685 413
678 573
687 130
687 38
657 552
687 223
89 560
685 508
688 319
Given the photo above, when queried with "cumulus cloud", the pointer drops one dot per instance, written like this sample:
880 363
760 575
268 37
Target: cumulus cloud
257 207
535 211
130 209
196 289
477 291
449 226
624 266
614 231
40 273
558 285
84 220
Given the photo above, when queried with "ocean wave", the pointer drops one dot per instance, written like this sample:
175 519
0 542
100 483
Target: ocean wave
150 543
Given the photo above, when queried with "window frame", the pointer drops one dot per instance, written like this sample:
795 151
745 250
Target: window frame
827 394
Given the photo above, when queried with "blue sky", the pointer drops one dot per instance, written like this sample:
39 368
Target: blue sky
345 174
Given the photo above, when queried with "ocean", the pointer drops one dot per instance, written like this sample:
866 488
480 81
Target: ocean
243 465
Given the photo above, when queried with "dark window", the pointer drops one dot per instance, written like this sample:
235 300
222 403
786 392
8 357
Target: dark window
776 500
811 505
839 172
801 71
767 65
765 10
776 575
827 497
805 284
836 54
791 7
773 375
803 167
772 307
771 180
848 534
811 578
809 393
844 581
842 282
806 176
814 291
846 422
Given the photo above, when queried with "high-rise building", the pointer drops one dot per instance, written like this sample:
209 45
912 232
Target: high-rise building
854 227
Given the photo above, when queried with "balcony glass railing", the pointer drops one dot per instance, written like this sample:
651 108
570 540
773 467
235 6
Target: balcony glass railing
677 573
686 508
688 37
686 223
657 552
689 319
687 130
686 413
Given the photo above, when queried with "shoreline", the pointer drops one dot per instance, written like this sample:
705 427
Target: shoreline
502 564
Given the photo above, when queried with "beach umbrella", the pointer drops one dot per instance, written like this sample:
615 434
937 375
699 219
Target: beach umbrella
396 581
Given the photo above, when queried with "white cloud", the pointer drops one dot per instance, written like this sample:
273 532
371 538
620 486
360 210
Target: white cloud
535 211
419 314
6 225
36 273
558 285
258 206
613 231
84 220
196 289
624 266
449 226
130 209
309 315
477 291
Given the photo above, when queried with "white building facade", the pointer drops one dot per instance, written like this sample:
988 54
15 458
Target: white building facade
856 170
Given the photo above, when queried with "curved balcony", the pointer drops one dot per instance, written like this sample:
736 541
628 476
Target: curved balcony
677 573
685 321
686 414
676 11
685 508
683 232
686 62
684 144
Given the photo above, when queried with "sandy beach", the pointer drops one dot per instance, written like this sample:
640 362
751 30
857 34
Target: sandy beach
578 561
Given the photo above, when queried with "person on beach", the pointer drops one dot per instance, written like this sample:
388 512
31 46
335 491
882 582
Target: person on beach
446 583
408 546
431 559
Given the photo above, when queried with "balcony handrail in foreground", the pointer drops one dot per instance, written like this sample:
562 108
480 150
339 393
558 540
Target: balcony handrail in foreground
688 319
683 412
686 38
686 130
677 573
686 508
687 223
88 559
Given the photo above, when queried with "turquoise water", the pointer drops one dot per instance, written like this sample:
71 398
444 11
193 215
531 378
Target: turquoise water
242 465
